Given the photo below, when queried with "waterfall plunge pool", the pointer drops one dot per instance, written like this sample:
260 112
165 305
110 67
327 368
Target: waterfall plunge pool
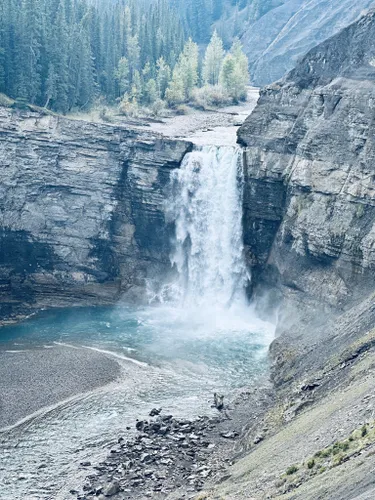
179 359
201 337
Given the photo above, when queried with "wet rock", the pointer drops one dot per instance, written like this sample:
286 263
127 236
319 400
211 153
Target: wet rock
146 458
111 489
229 434
155 427
154 412
164 430
85 464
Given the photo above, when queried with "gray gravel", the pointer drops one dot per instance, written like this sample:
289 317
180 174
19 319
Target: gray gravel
36 378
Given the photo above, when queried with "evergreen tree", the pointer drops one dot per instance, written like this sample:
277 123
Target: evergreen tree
28 53
63 54
163 76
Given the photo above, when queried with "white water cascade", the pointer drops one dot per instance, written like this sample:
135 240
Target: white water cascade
206 207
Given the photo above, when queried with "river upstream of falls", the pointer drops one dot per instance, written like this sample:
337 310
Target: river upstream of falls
198 335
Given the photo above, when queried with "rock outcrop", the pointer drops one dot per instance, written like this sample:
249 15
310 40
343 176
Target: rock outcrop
309 202
82 210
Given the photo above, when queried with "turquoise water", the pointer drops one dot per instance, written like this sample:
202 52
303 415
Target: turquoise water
155 335
181 357
203 338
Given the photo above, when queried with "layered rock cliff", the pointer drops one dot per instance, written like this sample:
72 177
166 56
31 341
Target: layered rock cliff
309 204
82 210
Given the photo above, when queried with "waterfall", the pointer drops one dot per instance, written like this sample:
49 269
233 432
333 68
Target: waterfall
206 207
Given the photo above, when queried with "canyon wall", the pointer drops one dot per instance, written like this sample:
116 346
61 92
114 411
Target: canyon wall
81 211
276 41
309 201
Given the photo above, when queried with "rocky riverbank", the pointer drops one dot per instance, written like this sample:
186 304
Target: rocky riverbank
172 457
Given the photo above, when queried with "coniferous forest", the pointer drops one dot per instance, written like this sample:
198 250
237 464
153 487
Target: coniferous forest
68 55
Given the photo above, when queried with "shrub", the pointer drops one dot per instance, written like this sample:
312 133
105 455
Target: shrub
210 96
310 463
129 107
364 430
182 110
158 107
104 116
291 470
5 101
326 453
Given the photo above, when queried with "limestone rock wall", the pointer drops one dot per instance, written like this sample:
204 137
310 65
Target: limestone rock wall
81 210
309 204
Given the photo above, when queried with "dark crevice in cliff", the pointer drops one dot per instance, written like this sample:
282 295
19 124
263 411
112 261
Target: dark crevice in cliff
21 256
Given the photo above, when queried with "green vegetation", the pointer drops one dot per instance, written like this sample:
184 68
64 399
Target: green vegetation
291 470
332 456
362 345
310 463
68 55
5 101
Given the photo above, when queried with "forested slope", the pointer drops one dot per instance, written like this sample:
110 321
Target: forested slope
64 53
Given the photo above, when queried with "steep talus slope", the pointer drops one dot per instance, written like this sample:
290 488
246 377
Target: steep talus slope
82 210
276 41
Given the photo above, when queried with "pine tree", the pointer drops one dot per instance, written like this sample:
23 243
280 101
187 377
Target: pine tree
163 76
28 53
62 54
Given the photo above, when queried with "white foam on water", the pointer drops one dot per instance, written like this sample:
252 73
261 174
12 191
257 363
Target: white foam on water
208 298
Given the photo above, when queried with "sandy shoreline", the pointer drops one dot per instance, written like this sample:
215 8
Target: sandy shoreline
36 378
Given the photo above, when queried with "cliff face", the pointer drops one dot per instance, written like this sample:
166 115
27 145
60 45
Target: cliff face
275 42
81 207
309 204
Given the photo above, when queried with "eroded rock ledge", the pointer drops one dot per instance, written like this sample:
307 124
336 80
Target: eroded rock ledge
82 214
